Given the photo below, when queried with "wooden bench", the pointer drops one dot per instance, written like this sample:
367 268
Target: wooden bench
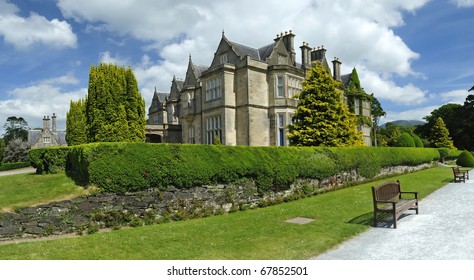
388 199
460 175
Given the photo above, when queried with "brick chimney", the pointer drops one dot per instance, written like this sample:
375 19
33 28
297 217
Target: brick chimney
46 123
54 122
336 68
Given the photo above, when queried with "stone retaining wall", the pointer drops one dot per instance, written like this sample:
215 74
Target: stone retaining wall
88 214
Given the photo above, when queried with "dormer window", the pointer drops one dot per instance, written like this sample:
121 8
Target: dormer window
282 59
223 58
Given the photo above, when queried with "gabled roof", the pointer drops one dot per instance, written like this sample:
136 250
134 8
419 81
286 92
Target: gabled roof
243 50
345 79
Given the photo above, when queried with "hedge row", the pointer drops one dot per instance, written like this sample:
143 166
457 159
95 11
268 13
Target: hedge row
128 167
13 165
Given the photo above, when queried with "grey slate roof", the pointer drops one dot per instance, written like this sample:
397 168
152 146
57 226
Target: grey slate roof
345 79
198 69
243 50
35 135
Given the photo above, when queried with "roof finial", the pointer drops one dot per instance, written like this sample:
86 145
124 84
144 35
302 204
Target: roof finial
223 33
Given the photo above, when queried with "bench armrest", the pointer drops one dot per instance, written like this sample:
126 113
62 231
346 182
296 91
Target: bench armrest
415 193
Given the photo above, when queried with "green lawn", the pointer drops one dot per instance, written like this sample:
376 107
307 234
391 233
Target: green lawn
253 234
31 189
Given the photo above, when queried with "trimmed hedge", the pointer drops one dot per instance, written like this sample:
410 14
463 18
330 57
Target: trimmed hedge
128 167
49 160
465 159
13 165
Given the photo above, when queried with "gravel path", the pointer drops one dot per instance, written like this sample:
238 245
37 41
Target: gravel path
443 230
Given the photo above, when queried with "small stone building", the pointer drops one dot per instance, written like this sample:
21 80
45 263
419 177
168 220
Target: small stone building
49 136
245 96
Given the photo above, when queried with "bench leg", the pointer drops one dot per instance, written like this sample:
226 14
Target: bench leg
375 219
394 219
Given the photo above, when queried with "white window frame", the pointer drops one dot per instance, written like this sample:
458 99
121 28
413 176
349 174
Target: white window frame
280 127
213 128
280 86
213 89
223 58
47 140
192 139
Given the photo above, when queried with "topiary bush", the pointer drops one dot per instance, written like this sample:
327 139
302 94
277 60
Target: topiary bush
465 159
418 142
405 140
49 160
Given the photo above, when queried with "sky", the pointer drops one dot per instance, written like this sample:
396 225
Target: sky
414 56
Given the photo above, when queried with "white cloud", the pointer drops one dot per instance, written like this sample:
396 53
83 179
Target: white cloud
463 3
22 32
414 114
40 99
106 57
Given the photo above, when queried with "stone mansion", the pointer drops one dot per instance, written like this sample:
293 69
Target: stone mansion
243 98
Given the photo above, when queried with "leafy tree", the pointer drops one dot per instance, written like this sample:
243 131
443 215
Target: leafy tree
2 149
76 128
321 118
377 112
15 128
115 110
439 136
450 113
405 140
16 151
464 138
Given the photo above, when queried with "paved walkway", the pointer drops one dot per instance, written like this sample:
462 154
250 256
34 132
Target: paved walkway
443 230
18 171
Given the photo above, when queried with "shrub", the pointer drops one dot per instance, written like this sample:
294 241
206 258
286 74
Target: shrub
13 165
418 141
465 159
128 167
405 140
49 160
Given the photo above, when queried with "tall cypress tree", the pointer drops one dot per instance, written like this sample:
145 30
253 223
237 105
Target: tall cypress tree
439 137
115 110
76 132
321 118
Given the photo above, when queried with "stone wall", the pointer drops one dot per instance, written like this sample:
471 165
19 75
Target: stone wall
87 214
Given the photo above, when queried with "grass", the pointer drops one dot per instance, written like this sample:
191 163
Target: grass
253 234
23 190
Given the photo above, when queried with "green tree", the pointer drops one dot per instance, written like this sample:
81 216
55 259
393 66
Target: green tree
377 113
15 128
76 128
451 114
16 151
2 150
115 110
321 118
439 136
464 138
405 140
418 141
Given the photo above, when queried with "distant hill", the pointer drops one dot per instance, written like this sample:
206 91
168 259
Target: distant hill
405 123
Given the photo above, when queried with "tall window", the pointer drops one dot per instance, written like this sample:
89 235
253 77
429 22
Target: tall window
280 86
281 129
357 106
213 129
294 86
213 89
191 135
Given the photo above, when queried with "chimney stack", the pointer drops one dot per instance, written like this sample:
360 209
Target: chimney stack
289 42
318 54
306 55
336 69
46 123
54 123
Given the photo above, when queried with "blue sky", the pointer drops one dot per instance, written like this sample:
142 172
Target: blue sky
413 55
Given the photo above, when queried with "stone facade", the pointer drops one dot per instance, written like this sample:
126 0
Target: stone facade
49 136
245 96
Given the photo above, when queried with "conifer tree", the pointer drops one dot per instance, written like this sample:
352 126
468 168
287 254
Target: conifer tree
321 118
115 110
76 123
439 136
